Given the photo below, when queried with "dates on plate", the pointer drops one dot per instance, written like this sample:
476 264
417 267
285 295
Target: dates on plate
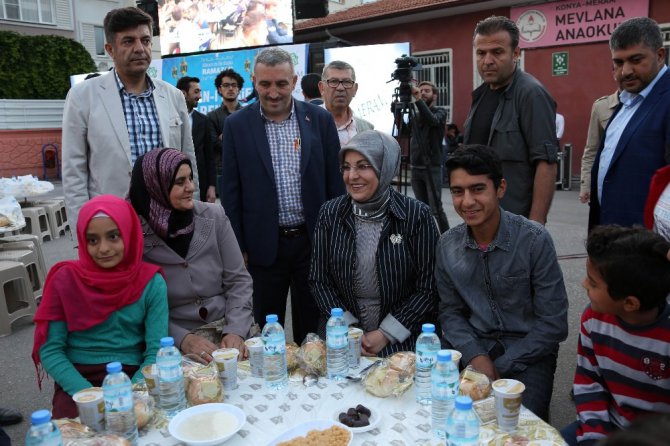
358 416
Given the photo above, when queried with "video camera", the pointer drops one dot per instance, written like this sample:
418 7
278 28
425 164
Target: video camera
403 73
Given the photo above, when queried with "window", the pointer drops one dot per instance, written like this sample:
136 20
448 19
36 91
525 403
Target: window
437 69
38 11
665 31
99 40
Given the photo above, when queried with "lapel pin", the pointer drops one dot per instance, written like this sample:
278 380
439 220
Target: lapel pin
396 239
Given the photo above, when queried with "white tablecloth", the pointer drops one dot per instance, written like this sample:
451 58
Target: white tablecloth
404 422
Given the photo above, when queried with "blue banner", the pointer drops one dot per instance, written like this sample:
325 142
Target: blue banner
207 66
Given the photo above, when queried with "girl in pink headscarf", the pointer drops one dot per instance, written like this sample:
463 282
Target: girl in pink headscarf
107 306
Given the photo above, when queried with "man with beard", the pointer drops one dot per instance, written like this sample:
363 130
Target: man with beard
425 154
513 113
200 130
228 84
637 139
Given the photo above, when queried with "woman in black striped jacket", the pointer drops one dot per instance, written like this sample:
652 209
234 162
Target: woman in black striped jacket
374 248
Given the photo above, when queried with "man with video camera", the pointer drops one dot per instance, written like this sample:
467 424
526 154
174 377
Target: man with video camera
427 131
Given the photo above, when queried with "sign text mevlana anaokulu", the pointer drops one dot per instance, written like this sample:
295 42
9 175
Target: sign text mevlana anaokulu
569 22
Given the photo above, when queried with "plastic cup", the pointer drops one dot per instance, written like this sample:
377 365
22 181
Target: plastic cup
150 373
455 356
255 347
91 407
355 338
508 394
226 363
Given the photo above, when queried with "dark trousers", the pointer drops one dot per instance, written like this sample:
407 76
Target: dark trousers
422 192
271 285
4 438
63 404
538 378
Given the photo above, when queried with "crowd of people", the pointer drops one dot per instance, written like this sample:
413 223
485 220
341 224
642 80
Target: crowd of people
307 206
189 26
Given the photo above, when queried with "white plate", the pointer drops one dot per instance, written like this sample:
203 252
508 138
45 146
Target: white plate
302 429
375 418
184 415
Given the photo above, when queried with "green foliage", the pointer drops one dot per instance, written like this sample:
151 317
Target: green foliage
39 67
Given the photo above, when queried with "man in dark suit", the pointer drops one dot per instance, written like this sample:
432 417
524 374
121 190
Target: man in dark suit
202 142
637 138
279 166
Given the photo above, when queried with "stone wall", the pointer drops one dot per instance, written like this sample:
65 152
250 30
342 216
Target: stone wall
21 152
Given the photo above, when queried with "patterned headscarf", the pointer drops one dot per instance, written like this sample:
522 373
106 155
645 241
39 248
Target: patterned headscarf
153 176
382 152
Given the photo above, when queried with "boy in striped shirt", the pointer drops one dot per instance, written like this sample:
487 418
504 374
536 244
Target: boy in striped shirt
623 354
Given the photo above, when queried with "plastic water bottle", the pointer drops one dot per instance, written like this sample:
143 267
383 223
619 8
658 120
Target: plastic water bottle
43 432
275 373
444 391
117 392
337 346
463 424
427 346
172 398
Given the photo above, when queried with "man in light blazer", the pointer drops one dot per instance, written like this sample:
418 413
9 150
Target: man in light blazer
112 119
280 165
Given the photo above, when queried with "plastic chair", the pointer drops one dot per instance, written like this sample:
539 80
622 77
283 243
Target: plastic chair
25 242
31 263
37 223
16 299
54 211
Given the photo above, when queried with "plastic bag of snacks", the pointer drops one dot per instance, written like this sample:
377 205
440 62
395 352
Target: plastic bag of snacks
292 353
202 383
312 355
144 407
474 384
391 376
77 434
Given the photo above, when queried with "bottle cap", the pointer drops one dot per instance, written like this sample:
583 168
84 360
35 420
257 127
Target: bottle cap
114 367
337 312
271 318
428 328
463 402
167 341
444 356
40 417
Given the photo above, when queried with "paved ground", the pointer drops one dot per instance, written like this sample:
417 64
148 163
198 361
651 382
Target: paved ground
567 224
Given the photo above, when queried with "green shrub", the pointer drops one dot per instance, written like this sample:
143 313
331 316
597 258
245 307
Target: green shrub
39 67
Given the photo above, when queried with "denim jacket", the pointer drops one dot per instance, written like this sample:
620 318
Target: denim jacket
512 293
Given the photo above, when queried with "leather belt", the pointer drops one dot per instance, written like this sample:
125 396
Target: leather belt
293 232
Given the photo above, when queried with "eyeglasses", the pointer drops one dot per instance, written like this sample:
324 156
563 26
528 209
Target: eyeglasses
361 168
226 86
334 83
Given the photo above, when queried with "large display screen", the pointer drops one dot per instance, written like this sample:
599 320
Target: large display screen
189 26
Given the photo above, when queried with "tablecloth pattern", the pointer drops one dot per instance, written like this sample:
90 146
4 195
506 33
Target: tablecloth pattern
403 422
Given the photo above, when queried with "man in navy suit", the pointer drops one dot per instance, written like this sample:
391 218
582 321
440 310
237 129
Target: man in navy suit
202 134
637 138
280 165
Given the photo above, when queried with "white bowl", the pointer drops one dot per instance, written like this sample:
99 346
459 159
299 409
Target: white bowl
303 428
198 415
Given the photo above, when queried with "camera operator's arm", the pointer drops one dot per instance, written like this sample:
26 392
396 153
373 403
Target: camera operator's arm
437 118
